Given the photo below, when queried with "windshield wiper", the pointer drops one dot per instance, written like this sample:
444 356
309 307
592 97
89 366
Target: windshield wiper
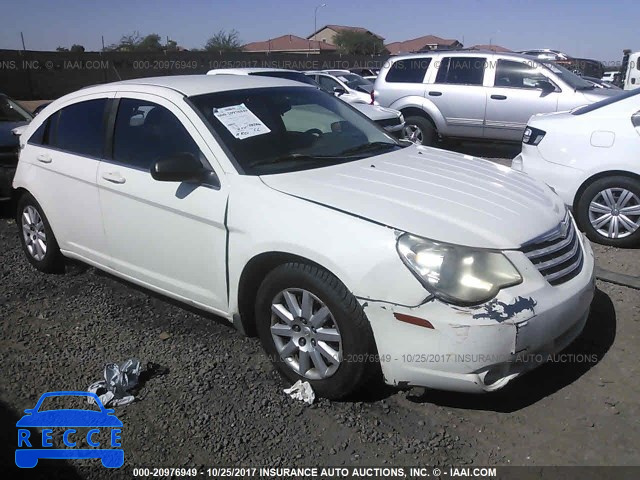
289 157
365 147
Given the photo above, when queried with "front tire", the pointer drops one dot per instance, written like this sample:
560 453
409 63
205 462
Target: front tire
36 237
314 330
609 211
419 130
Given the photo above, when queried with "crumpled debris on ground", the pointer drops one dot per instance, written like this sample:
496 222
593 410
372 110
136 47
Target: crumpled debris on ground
301 391
114 390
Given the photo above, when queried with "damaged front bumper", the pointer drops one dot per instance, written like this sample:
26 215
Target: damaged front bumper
482 348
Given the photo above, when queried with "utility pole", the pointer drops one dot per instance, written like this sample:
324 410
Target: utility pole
23 46
315 24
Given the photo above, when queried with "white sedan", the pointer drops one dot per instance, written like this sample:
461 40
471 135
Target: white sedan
344 250
589 156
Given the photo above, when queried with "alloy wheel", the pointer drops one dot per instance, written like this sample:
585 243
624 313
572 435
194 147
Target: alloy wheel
33 231
305 334
615 212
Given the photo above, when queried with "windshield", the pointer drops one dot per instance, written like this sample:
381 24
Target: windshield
296 76
10 111
570 78
605 102
285 129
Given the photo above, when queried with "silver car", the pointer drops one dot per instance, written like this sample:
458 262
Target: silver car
477 95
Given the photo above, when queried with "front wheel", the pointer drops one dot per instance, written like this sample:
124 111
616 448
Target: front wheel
609 211
314 330
419 130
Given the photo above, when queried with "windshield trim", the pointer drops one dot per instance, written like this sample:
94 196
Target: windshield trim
22 111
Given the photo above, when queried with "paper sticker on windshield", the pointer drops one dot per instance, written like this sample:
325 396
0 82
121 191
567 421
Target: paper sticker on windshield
240 121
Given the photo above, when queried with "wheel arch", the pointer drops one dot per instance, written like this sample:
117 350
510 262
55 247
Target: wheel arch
598 176
252 276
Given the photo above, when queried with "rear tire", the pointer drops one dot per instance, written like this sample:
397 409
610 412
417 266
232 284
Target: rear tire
419 130
36 237
609 211
318 323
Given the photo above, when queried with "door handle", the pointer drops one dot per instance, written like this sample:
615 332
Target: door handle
499 97
44 158
114 177
435 94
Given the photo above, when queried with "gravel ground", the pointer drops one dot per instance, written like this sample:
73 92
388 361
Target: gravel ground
210 397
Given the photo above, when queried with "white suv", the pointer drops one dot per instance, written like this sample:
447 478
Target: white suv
283 210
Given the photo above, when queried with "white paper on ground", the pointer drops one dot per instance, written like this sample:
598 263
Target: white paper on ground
301 391
240 121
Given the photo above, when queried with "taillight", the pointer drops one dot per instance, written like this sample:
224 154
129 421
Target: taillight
635 119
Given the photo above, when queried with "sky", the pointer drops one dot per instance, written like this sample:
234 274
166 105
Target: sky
586 28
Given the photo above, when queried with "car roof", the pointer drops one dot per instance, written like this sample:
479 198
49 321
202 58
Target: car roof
191 85
459 53
247 71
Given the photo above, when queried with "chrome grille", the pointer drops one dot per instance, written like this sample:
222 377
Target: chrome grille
557 254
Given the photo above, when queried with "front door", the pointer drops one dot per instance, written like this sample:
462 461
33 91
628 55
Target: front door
167 235
515 96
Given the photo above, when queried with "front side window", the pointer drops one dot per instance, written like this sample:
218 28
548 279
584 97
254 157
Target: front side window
80 128
145 131
44 134
408 71
512 74
285 129
461 70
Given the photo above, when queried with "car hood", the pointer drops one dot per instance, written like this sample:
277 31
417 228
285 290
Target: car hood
375 112
598 94
433 193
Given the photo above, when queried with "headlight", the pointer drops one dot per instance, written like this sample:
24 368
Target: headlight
533 136
455 274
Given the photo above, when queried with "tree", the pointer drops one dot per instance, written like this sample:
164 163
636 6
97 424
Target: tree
62 49
358 43
77 48
136 43
224 42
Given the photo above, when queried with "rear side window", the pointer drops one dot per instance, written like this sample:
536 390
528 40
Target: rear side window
408 71
328 83
81 128
146 131
461 70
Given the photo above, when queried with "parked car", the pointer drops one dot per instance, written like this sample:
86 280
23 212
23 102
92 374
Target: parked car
391 120
611 76
630 70
589 156
344 250
367 73
350 87
478 95
39 108
546 54
600 83
12 116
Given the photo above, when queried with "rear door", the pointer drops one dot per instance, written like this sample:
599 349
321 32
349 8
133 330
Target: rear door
167 235
66 150
515 95
459 93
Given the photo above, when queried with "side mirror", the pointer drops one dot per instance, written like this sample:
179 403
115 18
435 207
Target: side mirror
546 86
179 167
339 91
